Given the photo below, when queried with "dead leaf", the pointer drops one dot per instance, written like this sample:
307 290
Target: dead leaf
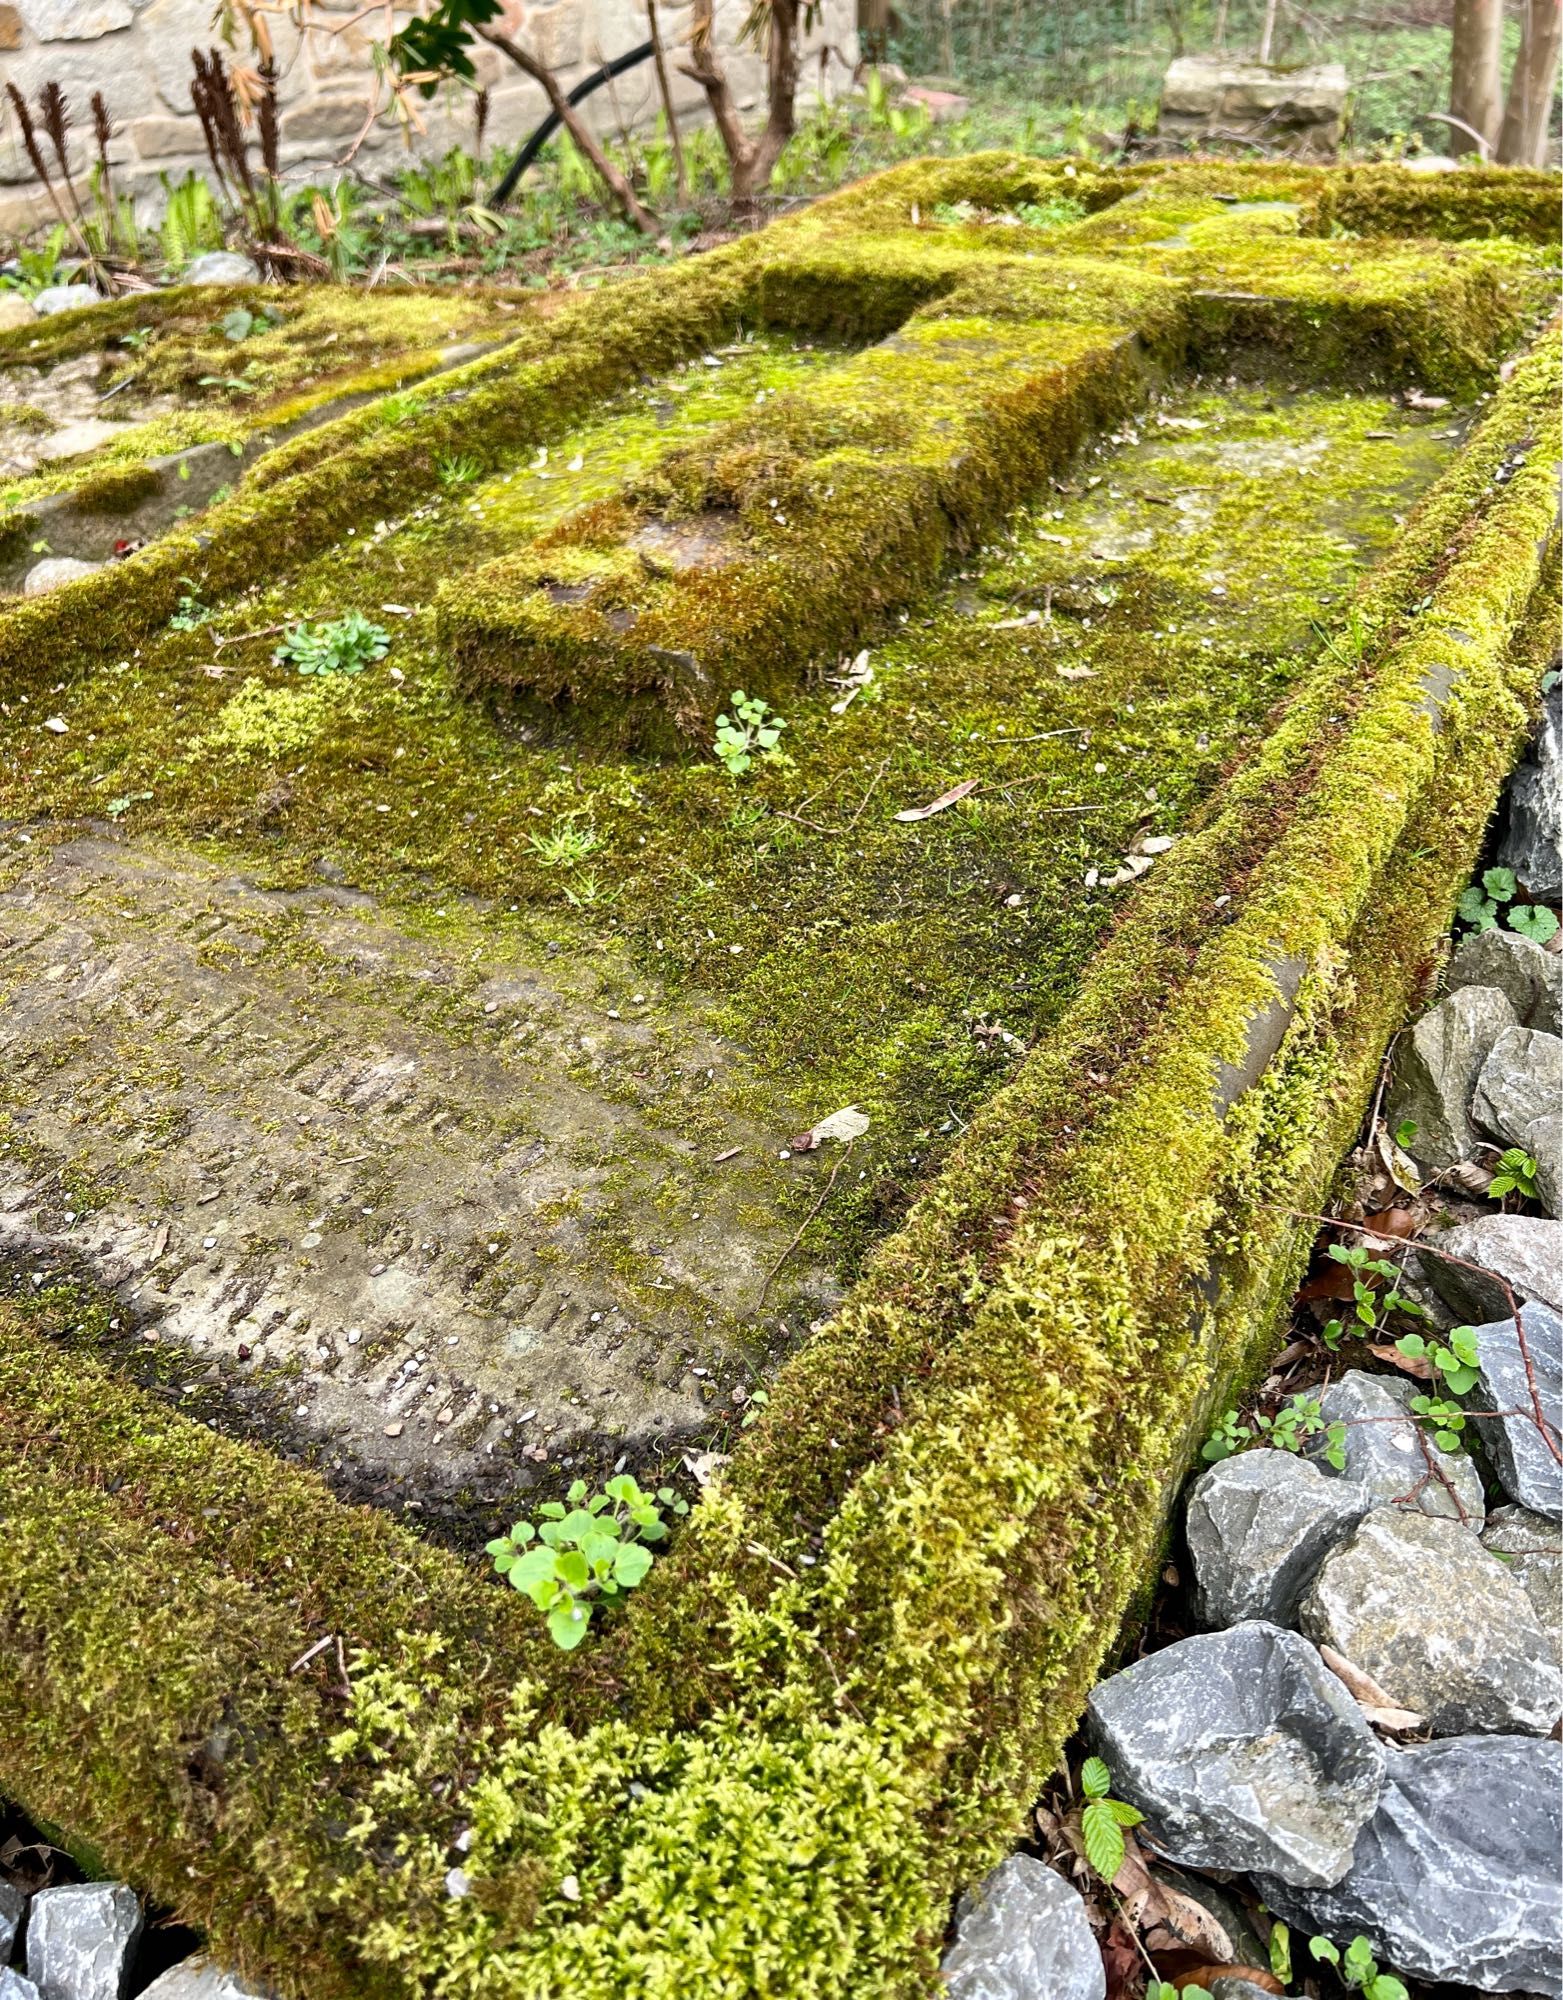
846 1125
1167 1919
1121 1962
1470 1177
1377 1705
1415 399
1134 865
703 1466
1205 1976
1408 1364
1077 673
1393 1222
1398 1164
949 798
731 1154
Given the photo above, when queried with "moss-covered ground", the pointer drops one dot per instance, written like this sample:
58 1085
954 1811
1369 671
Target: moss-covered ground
1232 692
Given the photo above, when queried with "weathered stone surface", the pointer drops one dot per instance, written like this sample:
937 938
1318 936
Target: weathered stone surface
84 434
222 267
1396 1462
63 298
1233 1986
1527 1250
53 571
16 1985
1435 1072
1456 1875
1533 840
1023 1933
1530 977
13 1906
1521 1081
77 20
1243 1751
1298 109
1523 1449
1439 1623
80 1938
1257 1527
1543 1141
1530 1547
15 310
197 1978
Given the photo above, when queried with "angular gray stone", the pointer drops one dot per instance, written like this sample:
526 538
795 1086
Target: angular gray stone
16 1986
1531 1550
1523 1450
1543 1140
1243 1751
1435 1072
80 1938
1530 977
1456 1875
220 267
1021 1934
1257 1526
1233 1986
63 298
1390 1456
1534 836
13 1907
1521 1081
53 571
1527 1250
1439 1623
197 1978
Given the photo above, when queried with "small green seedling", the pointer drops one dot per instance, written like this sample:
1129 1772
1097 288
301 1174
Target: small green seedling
1371 1306
1456 1362
1292 1426
588 1552
1516 1175
564 845
457 469
242 324
1358 1969
1103 1819
750 732
343 645
191 613
754 1409
1479 907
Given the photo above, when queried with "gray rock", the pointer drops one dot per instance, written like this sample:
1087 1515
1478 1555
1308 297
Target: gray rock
1456 1875
1391 1457
197 1978
1243 1751
16 1986
1531 978
1022 1934
80 1938
63 298
1435 1072
15 310
1527 1250
13 1907
1522 1453
1531 1550
1531 843
1543 1140
1521 1081
220 267
1233 1986
1257 1526
1439 1623
52 572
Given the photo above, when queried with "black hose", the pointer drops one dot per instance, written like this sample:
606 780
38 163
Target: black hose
550 124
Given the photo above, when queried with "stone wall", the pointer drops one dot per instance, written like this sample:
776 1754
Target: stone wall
137 52
1209 101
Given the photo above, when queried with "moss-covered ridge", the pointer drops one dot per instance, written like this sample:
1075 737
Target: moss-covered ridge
831 1702
856 265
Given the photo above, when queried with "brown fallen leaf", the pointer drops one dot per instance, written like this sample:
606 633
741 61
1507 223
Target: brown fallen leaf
1398 1164
949 798
1392 1222
1121 1962
1376 1703
1166 1918
1408 1364
1205 1976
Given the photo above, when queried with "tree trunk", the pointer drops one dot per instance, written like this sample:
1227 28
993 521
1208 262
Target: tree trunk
572 121
752 161
1527 113
1475 76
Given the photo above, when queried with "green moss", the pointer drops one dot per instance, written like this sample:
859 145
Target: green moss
116 489
831 1702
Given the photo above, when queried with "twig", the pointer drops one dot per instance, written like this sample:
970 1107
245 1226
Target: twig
309 1653
238 638
863 802
770 1276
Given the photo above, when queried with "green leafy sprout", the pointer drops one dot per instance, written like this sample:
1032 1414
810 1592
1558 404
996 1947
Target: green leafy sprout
1103 1819
1372 1305
343 645
1516 1174
1358 1969
586 1553
751 731
1479 907
1293 1425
